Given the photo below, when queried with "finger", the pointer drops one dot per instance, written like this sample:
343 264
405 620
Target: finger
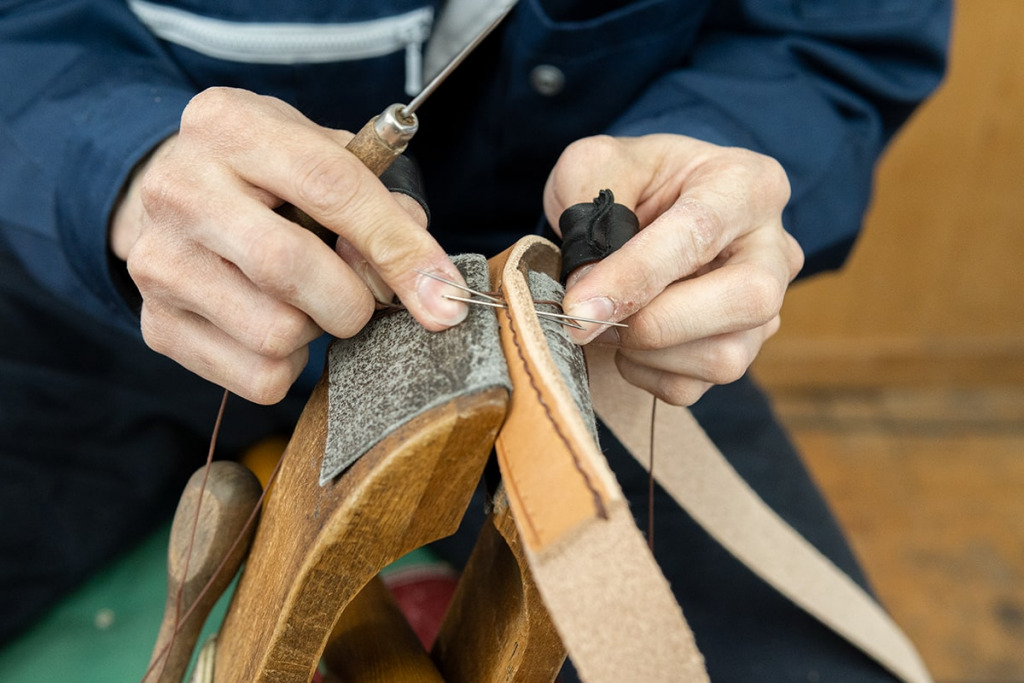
290 264
589 165
646 173
734 298
678 243
716 207
222 295
675 389
235 227
742 290
362 268
718 360
126 222
204 349
411 207
396 248
380 289
316 173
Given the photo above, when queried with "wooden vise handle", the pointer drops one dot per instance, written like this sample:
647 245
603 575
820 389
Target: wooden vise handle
230 494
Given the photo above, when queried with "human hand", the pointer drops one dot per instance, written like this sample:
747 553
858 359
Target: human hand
702 283
235 292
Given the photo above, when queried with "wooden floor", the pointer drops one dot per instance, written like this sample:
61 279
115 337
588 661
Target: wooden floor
929 485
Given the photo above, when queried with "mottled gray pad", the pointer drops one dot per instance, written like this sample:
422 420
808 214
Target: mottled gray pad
567 355
394 370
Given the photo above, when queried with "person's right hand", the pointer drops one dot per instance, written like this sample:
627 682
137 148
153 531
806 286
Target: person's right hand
233 291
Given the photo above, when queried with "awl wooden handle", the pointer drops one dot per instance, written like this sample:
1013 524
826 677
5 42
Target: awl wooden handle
383 138
231 492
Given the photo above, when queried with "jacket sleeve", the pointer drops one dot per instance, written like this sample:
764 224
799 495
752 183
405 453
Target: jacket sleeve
819 85
90 93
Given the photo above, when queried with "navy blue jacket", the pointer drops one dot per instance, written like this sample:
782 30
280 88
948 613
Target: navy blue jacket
87 89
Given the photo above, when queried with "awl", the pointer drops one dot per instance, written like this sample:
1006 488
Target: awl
385 136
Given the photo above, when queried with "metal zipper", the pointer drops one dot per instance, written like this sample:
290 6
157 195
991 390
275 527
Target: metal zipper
294 43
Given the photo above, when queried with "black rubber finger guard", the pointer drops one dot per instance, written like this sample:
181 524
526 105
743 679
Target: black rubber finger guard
403 175
592 231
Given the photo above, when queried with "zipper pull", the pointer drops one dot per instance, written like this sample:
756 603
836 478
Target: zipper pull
416 37
413 68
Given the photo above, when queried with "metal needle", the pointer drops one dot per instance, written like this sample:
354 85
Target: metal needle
580 319
464 288
494 302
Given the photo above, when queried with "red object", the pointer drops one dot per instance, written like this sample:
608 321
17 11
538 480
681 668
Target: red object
423 593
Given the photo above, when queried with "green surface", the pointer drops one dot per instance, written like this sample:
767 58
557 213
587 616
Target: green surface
103 633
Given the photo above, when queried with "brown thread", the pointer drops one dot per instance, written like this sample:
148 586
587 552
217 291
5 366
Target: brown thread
602 512
179 621
650 479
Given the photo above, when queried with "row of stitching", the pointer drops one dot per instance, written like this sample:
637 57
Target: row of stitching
599 505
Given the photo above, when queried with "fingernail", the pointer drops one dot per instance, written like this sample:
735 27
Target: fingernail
444 311
598 308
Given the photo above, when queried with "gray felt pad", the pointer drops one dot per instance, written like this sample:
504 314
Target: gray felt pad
394 370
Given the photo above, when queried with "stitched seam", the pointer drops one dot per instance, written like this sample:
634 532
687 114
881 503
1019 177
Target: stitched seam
602 511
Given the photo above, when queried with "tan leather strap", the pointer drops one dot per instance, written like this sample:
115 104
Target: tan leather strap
612 607
699 478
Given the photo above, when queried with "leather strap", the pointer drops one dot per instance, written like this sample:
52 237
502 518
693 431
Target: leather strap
612 607
696 474
580 539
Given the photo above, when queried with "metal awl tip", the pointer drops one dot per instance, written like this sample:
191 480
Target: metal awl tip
409 109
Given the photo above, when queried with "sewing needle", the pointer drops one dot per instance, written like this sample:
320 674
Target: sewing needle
494 302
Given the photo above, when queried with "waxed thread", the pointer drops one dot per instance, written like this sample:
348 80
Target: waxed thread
180 620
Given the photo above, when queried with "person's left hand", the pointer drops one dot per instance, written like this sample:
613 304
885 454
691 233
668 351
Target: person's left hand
702 283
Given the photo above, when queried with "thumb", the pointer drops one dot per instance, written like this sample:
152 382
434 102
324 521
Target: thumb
587 166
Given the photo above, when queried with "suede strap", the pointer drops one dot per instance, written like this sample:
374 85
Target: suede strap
607 598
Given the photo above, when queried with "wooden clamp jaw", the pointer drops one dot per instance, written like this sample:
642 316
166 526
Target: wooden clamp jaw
497 627
317 546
